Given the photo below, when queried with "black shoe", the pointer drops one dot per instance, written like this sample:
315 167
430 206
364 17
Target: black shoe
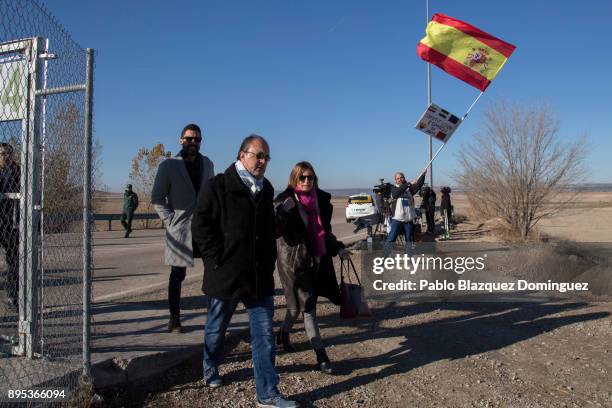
174 325
282 337
127 234
323 362
214 382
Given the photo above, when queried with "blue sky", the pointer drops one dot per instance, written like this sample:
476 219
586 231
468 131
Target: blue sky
337 83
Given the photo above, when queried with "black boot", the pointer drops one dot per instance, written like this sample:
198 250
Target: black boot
174 324
323 361
282 337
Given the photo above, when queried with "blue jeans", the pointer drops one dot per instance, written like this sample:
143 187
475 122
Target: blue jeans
396 228
261 313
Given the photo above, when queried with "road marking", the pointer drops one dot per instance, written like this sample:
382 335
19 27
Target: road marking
146 247
144 289
361 234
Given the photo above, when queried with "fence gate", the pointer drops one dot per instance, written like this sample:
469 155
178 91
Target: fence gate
45 187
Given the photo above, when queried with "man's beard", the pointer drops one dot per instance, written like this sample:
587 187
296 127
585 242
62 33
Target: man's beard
191 150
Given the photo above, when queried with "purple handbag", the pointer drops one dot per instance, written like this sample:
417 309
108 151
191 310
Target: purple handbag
352 299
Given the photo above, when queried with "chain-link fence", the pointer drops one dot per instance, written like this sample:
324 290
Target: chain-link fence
45 184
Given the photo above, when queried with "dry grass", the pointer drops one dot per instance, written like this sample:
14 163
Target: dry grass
112 203
588 218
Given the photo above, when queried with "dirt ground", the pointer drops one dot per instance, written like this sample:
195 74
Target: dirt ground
420 355
436 354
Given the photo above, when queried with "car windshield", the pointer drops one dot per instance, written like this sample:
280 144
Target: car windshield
361 199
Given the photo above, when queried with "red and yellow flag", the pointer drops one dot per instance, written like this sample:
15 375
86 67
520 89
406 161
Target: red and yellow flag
463 50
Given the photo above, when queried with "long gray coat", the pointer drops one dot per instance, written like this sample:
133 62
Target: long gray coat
174 199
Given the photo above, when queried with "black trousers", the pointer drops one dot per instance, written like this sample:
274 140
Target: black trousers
126 219
177 276
9 241
430 217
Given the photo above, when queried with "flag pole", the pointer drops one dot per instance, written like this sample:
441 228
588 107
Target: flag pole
432 159
471 106
429 166
442 147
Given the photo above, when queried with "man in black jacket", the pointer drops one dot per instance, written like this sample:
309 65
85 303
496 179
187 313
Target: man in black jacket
234 227
9 220
130 204
429 206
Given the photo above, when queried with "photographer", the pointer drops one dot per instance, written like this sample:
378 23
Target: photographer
429 208
446 207
402 214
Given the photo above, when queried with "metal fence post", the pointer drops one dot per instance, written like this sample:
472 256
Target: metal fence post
23 222
32 207
87 214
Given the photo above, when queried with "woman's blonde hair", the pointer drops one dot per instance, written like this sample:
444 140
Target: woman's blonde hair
298 170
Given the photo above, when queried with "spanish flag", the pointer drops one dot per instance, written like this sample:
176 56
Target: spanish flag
463 50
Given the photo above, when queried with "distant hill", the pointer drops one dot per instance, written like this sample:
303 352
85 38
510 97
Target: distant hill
345 192
586 187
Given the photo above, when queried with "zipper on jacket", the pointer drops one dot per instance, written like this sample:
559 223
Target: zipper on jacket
253 248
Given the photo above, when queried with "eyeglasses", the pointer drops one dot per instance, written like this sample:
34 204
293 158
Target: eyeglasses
260 155
192 139
308 177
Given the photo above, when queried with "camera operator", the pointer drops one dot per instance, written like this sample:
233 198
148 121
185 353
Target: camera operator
428 204
402 210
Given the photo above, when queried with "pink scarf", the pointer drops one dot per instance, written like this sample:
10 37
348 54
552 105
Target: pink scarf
315 230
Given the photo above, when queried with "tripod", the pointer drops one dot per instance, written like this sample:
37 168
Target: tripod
385 214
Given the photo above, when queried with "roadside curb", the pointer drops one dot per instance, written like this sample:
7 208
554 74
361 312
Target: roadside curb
116 371
119 371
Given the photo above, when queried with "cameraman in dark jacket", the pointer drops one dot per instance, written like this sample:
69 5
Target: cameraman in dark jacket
429 206
446 207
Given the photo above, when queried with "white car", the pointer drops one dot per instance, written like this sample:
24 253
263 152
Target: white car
360 205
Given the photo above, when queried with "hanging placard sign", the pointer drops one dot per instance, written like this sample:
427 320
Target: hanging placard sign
438 122
13 80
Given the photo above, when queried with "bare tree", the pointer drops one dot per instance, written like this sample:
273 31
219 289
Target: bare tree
63 173
517 167
144 169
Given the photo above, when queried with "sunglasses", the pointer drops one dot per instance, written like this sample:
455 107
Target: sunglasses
308 177
260 155
192 139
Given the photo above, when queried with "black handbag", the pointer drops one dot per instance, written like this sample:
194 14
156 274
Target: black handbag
352 299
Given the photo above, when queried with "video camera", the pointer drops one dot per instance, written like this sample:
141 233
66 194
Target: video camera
383 189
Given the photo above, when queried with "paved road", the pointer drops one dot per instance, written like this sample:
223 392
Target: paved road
124 267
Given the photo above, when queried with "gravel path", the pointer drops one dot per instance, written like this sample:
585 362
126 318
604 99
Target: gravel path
420 355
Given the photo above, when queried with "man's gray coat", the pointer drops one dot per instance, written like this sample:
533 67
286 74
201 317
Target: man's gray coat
174 199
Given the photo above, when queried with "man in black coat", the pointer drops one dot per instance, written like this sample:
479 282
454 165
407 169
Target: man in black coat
429 205
130 204
9 220
234 227
446 207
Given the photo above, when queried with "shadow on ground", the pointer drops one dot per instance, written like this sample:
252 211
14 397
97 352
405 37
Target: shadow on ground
482 327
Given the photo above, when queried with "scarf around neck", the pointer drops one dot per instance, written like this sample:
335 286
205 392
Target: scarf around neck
316 233
254 185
